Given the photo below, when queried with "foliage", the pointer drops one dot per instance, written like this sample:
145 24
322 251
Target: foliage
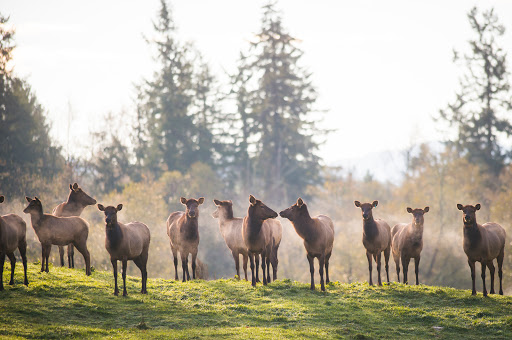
66 304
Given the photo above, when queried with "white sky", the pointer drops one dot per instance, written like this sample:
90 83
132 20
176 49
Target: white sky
381 68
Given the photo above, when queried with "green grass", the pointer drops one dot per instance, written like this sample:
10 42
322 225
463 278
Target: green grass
66 304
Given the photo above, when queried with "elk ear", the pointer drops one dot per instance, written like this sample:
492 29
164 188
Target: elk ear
101 207
28 199
37 199
477 207
357 203
426 210
119 207
216 201
409 210
300 202
375 204
183 200
459 206
75 186
71 187
252 200
200 200
2 198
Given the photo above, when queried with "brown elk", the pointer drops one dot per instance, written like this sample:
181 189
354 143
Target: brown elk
183 232
59 231
231 230
318 236
75 204
12 235
126 242
407 242
262 236
376 238
483 243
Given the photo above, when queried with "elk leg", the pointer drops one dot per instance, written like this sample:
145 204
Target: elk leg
327 257
312 270
23 252
42 257
184 267
405 268
114 267
194 257
13 265
237 263
175 260
253 278
490 265
125 263
369 257
386 261
138 263
417 268
321 263
275 262
244 259
61 253
145 266
397 266
71 256
257 266
472 267
82 248
2 261
378 260
263 265
500 271
268 269
483 278
47 250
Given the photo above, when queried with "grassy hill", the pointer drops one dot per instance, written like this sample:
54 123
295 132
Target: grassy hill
66 303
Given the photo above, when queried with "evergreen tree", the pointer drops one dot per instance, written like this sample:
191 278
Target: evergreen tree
282 108
481 105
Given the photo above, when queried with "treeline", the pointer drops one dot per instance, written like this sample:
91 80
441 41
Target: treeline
190 135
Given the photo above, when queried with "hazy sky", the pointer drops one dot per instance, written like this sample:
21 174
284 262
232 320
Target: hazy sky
381 68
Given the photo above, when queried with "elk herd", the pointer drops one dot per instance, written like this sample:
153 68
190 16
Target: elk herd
256 237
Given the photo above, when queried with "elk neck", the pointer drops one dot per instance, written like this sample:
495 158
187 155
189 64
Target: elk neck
36 216
471 232
191 227
114 235
370 228
304 224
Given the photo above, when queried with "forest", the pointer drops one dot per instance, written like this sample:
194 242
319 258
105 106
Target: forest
188 135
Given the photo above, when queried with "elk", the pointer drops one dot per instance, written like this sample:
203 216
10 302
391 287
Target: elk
125 242
262 236
12 235
75 204
376 239
183 232
318 235
407 242
231 230
482 243
59 231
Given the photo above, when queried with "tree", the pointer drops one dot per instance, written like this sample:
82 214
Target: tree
26 149
480 108
283 102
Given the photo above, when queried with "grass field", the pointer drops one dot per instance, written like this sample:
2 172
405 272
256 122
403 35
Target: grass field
65 303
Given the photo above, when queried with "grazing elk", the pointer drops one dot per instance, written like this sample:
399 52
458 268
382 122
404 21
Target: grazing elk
12 235
231 230
483 243
318 235
125 242
262 236
376 238
59 231
76 203
407 242
183 232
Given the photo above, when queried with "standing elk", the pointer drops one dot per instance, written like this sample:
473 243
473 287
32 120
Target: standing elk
483 243
59 231
318 236
231 230
407 242
183 232
126 242
13 232
75 204
376 239
262 236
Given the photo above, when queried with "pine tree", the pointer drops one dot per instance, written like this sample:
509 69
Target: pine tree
480 109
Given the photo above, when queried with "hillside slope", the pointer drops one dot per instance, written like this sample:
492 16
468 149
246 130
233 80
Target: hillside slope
66 303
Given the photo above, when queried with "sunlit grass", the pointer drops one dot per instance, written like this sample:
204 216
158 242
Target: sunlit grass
66 303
